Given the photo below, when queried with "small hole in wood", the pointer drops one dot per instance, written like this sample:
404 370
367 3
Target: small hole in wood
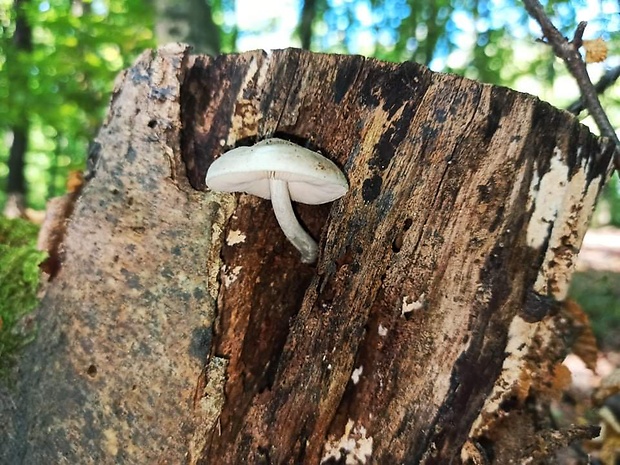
397 244
486 446
152 123
91 371
509 404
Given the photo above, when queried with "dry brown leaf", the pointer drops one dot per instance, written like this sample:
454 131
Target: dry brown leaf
610 449
522 389
584 346
610 385
75 180
596 50
562 378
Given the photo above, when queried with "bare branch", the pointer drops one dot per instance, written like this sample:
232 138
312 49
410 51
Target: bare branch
568 51
606 81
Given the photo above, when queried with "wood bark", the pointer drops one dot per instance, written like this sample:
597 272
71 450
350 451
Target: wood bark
182 327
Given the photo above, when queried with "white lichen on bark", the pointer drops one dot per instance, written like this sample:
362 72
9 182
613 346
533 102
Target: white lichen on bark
353 446
563 206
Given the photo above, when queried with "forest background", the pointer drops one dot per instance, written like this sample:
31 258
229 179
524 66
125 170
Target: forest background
59 59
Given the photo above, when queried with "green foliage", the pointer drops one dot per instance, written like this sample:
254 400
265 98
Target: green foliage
221 9
489 41
19 280
611 200
598 293
61 88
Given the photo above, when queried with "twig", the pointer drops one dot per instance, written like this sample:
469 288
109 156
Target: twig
568 51
606 81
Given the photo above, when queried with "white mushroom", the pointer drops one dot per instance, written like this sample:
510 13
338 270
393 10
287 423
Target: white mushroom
281 171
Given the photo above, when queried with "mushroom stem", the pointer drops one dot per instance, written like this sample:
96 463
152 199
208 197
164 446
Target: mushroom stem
281 201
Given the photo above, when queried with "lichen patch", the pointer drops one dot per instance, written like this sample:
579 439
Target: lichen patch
562 212
409 305
546 194
110 441
357 373
354 447
230 276
235 237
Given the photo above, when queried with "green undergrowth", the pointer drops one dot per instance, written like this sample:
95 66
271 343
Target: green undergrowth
598 293
19 281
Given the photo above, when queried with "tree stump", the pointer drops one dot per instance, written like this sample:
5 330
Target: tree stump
181 326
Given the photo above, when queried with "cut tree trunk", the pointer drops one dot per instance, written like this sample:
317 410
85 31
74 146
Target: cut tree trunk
181 325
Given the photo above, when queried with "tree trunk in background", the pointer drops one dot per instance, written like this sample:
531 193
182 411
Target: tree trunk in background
16 181
308 13
190 22
181 325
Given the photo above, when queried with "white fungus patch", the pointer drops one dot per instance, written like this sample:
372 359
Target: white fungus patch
230 276
547 195
355 376
409 305
354 447
562 211
382 330
235 237
562 208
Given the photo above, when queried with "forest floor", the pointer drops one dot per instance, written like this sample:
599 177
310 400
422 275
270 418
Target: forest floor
596 288
596 284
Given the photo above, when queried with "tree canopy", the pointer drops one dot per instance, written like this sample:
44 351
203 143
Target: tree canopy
61 85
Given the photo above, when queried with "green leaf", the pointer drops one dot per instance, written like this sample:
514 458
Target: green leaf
19 282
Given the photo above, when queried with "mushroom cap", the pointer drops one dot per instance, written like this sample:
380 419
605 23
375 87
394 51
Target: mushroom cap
312 179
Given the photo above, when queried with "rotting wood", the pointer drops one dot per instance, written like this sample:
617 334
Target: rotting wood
468 202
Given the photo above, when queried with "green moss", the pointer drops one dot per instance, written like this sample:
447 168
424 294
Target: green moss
598 293
19 281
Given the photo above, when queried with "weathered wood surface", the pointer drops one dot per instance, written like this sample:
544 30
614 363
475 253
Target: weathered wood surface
125 325
432 302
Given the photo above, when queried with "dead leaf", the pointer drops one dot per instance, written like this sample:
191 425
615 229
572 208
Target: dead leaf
610 385
562 378
596 50
75 180
584 346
